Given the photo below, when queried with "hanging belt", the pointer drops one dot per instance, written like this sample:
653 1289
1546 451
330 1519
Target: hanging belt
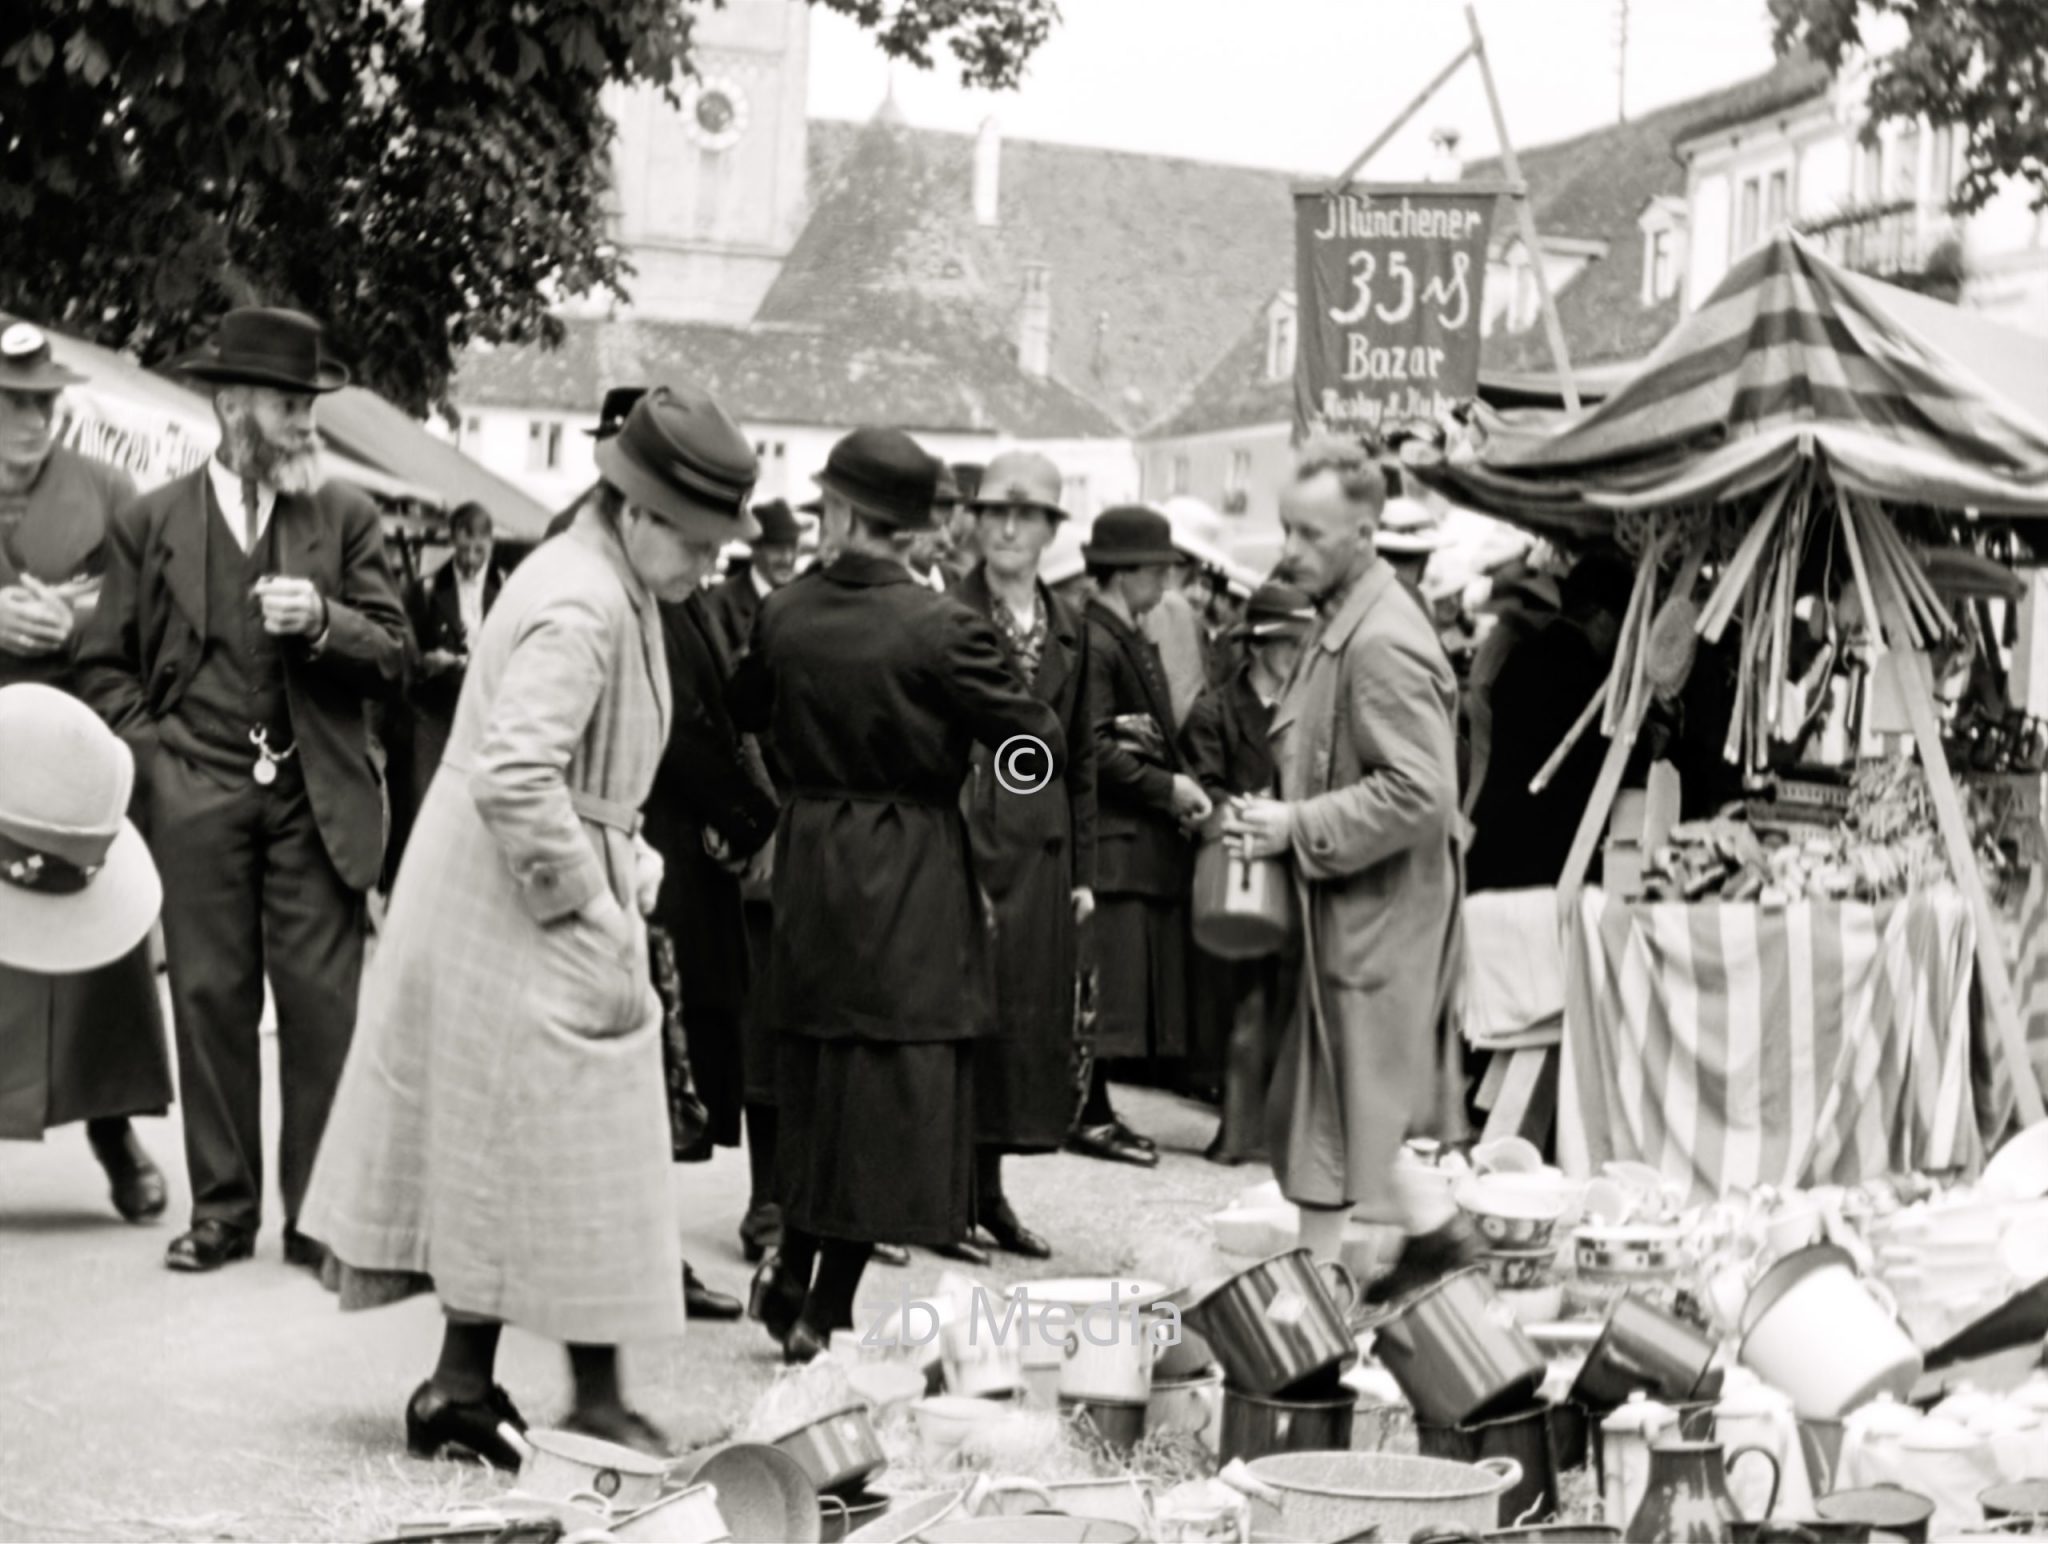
592 807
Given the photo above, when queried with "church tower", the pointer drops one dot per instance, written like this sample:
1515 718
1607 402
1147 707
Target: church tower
710 195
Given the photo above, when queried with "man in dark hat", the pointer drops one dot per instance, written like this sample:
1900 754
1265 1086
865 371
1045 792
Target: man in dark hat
249 620
1226 743
731 605
618 404
87 1046
876 691
1147 804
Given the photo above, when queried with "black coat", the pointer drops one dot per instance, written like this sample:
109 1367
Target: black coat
706 782
730 607
1031 851
435 612
1226 739
1139 849
876 690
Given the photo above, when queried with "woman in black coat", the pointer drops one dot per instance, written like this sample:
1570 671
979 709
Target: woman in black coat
1033 848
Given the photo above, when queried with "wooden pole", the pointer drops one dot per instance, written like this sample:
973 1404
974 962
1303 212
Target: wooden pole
1343 179
2001 1003
1551 324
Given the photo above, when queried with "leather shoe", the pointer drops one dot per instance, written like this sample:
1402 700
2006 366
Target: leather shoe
1011 1236
802 1344
208 1246
776 1299
434 1424
1135 1138
1107 1143
965 1250
303 1251
760 1231
897 1255
1426 1258
138 1184
700 1302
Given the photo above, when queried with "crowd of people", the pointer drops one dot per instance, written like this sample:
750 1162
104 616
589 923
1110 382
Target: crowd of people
902 957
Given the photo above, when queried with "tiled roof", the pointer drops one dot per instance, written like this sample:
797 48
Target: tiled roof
1153 260
1592 187
875 362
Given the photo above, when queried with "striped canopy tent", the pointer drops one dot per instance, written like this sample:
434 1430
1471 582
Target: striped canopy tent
1900 397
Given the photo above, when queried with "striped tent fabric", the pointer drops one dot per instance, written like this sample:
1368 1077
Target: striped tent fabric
1733 1045
1789 358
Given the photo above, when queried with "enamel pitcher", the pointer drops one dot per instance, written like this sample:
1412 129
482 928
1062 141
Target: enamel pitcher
1687 1499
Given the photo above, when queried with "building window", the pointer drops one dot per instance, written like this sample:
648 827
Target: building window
543 446
1180 476
1905 182
1775 200
472 430
1240 472
1747 227
1870 172
1663 271
1280 343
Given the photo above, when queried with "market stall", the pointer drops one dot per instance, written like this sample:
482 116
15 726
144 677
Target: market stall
1824 485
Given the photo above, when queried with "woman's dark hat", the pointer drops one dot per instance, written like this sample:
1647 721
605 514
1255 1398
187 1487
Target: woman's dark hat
778 524
679 456
1130 536
262 346
1276 610
27 363
611 418
886 476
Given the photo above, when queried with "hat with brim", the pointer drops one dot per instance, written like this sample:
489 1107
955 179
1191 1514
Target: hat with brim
1021 479
1408 544
886 476
778 524
27 362
263 346
1131 536
77 887
1276 610
681 458
611 417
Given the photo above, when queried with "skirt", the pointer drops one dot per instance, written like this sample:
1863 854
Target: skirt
758 1044
80 1047
1139 945
876 1139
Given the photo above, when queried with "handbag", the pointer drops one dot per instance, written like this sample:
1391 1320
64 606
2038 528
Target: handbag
689 1123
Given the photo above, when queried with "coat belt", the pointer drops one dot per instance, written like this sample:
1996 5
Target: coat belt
592 807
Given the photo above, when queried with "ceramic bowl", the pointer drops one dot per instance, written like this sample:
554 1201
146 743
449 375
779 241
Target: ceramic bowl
1629 1250
1510 1216
1519 1270
944 1420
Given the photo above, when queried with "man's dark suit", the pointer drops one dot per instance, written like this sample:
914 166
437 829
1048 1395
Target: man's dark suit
433 608
730 607
257 880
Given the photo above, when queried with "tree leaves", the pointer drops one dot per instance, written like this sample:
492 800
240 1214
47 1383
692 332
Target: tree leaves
419 173
1977 66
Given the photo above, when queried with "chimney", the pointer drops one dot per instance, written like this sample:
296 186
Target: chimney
988 166
1034 322
1444 165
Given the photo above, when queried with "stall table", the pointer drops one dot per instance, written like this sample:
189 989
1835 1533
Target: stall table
1729 1044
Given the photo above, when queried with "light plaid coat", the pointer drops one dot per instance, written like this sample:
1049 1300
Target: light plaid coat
502 1124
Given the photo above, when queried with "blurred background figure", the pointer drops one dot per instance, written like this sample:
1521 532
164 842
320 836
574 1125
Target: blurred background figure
731 604
1518 601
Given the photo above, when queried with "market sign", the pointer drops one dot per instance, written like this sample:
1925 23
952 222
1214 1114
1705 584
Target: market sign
1390 286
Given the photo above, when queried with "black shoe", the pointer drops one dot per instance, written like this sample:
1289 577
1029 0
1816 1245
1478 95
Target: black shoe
1011 1236
802 1344
1425 1258
775 1300
965 1250
897 1255
1232 1156
209 1246
1135 1138
700 1302
436 1424
303 1251
760 1231
138 1184
1106 1142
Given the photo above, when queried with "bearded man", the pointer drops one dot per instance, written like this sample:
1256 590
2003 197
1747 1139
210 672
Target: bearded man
79 1045
249 619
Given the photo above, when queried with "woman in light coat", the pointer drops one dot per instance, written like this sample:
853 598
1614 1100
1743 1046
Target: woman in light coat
501 1133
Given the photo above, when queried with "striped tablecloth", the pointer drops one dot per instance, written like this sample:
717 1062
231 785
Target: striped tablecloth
1729 1045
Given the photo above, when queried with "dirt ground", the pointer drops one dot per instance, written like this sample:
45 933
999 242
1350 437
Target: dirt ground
138 1404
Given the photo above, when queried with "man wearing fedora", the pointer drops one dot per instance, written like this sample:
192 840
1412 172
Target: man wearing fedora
88 1045
611 417
1146 806
1034 849
876 691
731 605
1226 741
250 619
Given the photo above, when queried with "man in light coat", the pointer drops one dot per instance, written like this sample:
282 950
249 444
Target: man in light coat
1368 813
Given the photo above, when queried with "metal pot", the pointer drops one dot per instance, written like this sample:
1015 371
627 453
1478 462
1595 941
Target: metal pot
1244 908
563 1464
840 1515
1459 1353
1120 1426
1275 1326
681 1517
1643 1349
1254 1427
1343 1495
1523 1436
838 1450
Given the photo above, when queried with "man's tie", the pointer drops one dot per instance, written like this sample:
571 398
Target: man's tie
251 506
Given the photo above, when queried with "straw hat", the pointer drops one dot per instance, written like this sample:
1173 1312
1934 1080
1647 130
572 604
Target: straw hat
1408 529
77 887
